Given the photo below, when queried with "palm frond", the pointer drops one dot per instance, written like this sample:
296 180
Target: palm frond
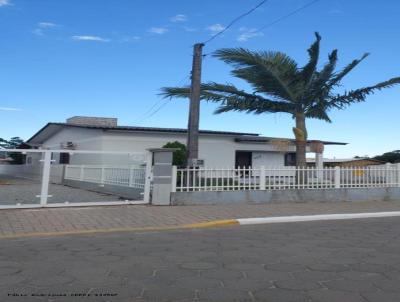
309 69
175 92
340 75
269 72
359 95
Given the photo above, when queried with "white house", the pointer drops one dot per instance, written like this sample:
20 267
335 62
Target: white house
217 148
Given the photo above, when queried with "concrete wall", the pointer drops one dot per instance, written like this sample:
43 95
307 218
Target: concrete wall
283 196
119 191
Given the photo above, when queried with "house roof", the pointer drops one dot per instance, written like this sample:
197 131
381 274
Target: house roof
266 139
52 128
344 160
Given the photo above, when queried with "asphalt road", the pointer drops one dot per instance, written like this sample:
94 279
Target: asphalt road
353 260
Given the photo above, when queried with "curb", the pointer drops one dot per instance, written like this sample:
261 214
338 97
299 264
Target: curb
200 225
210 224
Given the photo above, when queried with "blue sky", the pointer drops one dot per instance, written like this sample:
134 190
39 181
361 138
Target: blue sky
110 58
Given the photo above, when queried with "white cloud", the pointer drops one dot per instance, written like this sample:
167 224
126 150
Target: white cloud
9 108
248 33
89 38
131 39
42 27
158 30
4 2
46 24
179 18
216 27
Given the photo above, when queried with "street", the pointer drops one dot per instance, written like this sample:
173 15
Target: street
351 260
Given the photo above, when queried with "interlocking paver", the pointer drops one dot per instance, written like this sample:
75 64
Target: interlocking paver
92 218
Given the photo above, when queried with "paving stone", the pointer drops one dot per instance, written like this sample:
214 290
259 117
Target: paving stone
280 295
325 295
351 285
354 275
325 267
199 265
388 285
224 295
297 284
168 293
382 297
285 267
197 283
222 274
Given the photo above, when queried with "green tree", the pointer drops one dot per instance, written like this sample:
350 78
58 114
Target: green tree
389 157
14 143
179 156
279 84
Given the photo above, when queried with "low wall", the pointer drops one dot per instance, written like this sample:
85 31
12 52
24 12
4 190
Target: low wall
122 192
288 196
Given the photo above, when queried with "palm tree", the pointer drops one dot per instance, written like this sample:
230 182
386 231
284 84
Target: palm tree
280 85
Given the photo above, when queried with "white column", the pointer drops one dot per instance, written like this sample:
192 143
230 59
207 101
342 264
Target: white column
44 192
319 165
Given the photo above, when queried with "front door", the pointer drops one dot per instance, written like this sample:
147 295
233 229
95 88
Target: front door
243 159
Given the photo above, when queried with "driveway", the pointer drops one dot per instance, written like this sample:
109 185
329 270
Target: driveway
24 191
353 260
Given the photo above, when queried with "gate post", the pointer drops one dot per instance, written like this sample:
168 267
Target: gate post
44 191
162 176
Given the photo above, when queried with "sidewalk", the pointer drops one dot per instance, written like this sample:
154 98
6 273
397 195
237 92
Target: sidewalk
15 223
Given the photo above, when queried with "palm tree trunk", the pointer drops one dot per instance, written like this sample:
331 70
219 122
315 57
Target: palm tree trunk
300 132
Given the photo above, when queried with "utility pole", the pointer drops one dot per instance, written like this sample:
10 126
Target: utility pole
194 109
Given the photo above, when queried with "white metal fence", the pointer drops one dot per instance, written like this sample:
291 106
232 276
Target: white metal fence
261 178
38 180
124 176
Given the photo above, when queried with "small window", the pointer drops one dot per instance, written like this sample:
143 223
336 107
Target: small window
290 159
64 158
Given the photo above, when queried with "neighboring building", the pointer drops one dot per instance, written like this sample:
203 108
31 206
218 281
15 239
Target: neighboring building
347 162
216 148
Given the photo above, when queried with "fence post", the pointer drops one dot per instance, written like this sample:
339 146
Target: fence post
174 178
81 176
44 192
147 178
262 178
398 174
103 172
337 177
387 174
131 176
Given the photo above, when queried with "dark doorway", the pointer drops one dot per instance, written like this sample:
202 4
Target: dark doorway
64 158
243 159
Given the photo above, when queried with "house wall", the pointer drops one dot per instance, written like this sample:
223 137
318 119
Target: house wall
218 151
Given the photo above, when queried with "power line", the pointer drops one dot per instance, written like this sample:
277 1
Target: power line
150 112
281 18
235 20
289 14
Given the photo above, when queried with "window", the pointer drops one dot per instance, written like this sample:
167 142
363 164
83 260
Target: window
64 158
290 159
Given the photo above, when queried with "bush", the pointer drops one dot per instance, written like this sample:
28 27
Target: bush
179 156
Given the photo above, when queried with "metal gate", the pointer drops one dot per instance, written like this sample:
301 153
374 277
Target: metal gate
52 178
